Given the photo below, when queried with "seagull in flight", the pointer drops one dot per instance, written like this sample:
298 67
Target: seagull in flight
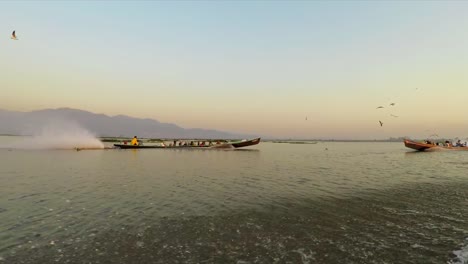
380 123
13 35
379 107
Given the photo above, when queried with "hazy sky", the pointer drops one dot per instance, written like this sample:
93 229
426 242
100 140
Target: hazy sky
257 67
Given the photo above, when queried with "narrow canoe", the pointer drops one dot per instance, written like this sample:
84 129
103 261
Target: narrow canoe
419 146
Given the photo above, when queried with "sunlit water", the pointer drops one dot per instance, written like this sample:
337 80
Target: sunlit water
272 203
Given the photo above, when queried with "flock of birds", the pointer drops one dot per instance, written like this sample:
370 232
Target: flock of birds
380 107
392 115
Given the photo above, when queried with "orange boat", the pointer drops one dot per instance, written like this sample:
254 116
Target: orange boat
420 146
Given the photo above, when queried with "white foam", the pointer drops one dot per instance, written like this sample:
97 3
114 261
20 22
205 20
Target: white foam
59 135
461 255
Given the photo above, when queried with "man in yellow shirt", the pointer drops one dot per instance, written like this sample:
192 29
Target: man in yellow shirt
134 141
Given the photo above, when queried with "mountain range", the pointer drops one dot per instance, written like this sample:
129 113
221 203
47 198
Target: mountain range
31 123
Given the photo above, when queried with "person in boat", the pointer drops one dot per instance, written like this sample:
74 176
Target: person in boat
134 141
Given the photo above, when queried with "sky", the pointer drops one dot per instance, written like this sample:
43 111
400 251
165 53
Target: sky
257 67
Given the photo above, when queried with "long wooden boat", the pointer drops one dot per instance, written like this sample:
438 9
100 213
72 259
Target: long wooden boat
420 146
245 143
237 144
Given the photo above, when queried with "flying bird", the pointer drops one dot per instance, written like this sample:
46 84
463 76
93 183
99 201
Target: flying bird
392 104
13 35
379 107
380 123
393 115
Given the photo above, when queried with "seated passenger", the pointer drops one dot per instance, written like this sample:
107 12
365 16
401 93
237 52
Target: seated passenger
134 141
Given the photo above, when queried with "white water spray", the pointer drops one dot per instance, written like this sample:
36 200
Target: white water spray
462 255
60 135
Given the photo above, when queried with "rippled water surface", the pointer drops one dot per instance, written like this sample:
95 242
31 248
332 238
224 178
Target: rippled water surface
272 203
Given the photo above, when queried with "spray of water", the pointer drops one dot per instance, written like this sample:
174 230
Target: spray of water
59 134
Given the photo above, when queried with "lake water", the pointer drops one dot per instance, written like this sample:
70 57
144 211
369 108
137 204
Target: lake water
271 203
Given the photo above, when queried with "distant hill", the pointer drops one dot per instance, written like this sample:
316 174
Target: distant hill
29 123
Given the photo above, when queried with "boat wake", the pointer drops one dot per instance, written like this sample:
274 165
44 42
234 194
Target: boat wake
461 255
63 135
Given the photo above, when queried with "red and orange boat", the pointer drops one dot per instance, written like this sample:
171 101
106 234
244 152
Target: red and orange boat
424 146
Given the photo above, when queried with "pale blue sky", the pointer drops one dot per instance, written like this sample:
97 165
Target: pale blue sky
245 66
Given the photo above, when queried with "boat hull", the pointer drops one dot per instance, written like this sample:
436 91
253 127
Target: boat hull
228 145
246 143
